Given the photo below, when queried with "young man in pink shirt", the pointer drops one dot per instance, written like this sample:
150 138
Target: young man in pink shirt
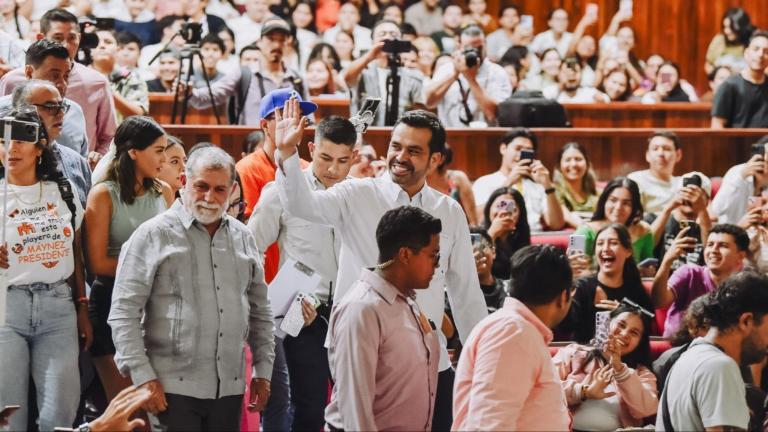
505 379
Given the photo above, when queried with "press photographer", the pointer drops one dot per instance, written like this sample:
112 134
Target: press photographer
468 89
369 75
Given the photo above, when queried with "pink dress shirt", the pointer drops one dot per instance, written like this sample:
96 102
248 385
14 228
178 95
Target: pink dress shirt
636 388
383 360
505 379
92 92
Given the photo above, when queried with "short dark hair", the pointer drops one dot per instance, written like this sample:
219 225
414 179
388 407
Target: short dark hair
405 226
509 6
251 47
337 130
634 192
741 293
231 34
740 236
408 28
422 119
520 132
539 274
552 12
42 49
757 34
668 135
57 15
212 38
382 22
252 141
167 21
711 76
126 37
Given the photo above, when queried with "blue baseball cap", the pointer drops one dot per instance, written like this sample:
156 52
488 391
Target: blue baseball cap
277 99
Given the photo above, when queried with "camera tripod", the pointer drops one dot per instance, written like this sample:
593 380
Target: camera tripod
393 89
190 52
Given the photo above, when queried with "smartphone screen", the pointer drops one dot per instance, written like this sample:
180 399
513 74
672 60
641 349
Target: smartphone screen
526 21
527 154
592 9
626 5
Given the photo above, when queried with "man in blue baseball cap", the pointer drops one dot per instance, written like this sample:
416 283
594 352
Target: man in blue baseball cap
255 171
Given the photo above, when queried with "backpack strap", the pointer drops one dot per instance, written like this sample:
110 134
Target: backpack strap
65 190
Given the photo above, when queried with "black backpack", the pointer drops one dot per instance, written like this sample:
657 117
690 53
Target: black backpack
531 109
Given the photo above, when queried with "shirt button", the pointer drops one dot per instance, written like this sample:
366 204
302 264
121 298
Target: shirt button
221 310
221 334
218 358
215 266
218 288
181 378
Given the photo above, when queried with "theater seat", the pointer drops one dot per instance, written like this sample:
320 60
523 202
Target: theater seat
658 347
716 182
555 238
661 314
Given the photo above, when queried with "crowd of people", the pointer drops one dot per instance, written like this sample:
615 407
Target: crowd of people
358 292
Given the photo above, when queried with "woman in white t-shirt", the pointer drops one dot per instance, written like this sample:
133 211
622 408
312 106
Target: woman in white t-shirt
46 305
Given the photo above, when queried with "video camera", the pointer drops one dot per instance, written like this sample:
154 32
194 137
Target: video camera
191 32
396 46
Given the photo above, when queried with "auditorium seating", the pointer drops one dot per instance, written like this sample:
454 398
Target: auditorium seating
613 152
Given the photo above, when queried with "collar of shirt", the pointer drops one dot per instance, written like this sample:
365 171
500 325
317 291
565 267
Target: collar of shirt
313 181
400 196
386 290
186 217
514 305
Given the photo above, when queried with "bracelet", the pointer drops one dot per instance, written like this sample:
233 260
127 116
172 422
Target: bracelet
82 300
584 392
549 190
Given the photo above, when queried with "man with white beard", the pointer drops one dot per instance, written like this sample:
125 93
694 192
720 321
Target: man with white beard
189 287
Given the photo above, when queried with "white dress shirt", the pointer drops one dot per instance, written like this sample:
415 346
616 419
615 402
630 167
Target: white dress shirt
534 196
490 76
546 40
732 200
362 36
354 207
315 245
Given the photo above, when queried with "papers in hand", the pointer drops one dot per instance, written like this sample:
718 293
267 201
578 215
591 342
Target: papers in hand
292 278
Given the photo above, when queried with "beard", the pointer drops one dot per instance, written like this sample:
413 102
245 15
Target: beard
204 212
751 352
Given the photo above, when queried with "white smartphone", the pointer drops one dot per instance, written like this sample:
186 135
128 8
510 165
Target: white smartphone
626 6
577 242
526 21
294 319
592 9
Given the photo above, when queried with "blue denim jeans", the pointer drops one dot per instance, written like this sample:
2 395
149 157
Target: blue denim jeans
39 338
277 415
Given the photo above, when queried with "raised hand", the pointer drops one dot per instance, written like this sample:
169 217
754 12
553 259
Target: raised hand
289 128
600 380
681 246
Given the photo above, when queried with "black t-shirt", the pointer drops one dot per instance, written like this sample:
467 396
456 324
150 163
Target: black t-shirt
671 230
580 322
742 103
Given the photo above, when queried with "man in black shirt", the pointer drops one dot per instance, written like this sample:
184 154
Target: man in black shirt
742 100
169 69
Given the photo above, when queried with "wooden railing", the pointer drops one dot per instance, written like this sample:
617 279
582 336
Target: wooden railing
612 152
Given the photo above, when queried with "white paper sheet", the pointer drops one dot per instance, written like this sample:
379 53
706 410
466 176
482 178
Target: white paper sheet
292 278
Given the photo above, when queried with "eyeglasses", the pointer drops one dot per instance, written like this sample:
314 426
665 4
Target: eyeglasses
54 108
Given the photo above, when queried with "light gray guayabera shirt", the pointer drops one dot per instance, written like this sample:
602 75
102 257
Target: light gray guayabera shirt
168 322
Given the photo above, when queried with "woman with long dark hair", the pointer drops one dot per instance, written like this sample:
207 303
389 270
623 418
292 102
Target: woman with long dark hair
506 221
727 47
619 203
668 87
617 278
46 306
611 387
575 183
130 195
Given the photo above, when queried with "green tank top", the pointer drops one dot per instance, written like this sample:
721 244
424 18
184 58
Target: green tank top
126 218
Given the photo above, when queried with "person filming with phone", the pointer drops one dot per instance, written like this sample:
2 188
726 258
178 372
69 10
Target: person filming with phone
740 183
609 385
724 252
507 224
467 90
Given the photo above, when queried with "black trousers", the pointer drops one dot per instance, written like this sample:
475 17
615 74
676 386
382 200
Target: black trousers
309 374
186 413
442 418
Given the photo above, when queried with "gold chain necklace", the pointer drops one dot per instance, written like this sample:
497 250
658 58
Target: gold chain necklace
39 197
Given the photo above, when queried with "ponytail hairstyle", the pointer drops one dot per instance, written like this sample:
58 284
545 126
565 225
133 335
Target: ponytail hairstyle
134 133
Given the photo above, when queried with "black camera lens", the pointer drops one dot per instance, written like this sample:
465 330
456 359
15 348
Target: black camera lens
471 57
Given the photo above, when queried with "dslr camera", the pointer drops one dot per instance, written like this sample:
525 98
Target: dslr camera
471 57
